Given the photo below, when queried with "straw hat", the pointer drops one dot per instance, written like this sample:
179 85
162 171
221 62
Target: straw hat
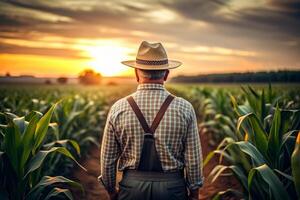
152 57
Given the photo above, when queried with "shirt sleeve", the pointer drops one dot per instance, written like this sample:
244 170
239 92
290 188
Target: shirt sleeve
108 156
193 154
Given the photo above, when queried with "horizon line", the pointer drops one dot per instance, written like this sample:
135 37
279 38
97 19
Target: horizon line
130 76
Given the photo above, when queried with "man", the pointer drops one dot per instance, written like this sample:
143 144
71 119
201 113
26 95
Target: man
153 136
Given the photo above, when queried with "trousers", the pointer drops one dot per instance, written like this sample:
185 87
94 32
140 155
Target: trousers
143 185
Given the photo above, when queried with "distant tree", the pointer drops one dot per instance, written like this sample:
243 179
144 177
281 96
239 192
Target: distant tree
48 82
111 83
247 77
62 80
7 74
89 77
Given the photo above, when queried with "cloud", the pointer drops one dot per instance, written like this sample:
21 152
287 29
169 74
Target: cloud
217 51
265 30
43 51
274 16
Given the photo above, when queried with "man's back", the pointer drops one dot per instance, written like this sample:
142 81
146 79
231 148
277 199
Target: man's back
152 156
176 138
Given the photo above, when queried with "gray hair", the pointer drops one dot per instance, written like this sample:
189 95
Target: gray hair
151 74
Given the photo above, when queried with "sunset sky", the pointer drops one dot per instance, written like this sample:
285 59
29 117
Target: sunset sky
64 37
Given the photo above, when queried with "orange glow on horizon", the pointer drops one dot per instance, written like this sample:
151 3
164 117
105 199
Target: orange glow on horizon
46 66
41 66
106 58
103 56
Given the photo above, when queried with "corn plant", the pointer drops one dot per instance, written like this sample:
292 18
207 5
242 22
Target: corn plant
218 120
262 161
22 156
295 165
79 117
80 120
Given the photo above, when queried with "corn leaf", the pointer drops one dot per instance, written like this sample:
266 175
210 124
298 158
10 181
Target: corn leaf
20 123
249 149
296 165
37 161
33 114
276 189
64 143
216 172
262 105
222 154
12 140
275 137
10 116
256 132
47 181
42 127
240 174
290 178
295 125
58 191
28 140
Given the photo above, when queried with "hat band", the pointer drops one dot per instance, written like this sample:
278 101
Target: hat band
151 62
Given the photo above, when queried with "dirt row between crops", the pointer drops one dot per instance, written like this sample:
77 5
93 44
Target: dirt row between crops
94 191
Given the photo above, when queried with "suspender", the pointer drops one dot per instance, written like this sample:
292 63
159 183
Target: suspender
158 117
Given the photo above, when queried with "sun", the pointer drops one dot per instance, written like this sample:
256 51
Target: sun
106 59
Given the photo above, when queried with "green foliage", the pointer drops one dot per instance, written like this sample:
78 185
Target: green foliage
255 129
263 163
23 154
296 165
36 149
270 185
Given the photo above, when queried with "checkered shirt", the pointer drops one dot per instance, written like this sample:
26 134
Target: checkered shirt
176 138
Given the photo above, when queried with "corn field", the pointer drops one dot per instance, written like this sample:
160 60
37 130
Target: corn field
46 130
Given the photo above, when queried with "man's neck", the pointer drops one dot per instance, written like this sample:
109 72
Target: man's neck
152 81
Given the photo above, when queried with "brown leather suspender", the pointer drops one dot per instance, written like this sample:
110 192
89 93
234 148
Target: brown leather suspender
149 160
139 114
161 113
158 117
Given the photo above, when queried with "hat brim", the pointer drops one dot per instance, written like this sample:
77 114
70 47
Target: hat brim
171 65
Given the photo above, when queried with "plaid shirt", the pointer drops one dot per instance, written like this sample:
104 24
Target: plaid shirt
176 138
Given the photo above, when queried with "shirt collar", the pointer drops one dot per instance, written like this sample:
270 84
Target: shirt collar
151 86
